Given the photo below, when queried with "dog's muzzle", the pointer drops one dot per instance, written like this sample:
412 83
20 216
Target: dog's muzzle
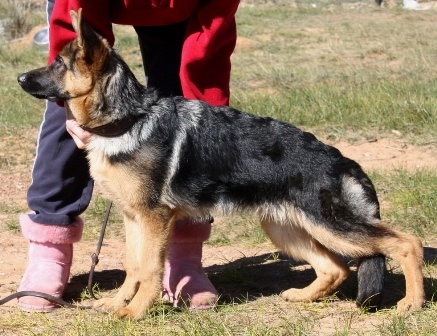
35 88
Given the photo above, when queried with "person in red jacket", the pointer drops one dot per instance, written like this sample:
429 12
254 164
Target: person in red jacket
186 46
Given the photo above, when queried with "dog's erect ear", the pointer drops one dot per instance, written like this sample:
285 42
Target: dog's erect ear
88 40
76 21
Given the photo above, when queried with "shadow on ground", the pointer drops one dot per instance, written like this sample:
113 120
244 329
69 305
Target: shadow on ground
250 278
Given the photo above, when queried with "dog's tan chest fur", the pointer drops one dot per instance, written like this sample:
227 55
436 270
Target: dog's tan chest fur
118 181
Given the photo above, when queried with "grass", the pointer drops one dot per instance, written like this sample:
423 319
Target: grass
18 17
342 69
19 112
411 200
325 69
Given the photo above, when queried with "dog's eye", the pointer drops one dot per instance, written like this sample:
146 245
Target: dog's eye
58 61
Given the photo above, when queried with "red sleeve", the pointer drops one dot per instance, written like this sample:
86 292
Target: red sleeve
206 53
95 12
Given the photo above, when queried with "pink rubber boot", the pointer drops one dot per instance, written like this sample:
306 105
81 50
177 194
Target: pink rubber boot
49 261
184 281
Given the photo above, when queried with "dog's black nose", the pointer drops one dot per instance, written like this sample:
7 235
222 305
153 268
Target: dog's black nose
22 78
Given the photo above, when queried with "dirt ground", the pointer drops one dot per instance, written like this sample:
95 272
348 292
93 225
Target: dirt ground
381 154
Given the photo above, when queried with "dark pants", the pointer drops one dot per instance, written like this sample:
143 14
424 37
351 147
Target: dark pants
61 187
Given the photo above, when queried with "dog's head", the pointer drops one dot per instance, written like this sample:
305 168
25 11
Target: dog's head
75 74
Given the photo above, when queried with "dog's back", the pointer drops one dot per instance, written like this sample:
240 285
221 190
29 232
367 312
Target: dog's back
229 156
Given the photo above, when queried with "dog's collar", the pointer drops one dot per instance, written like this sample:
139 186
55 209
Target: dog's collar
114 128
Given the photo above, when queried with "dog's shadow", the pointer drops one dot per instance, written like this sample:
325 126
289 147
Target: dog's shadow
249 278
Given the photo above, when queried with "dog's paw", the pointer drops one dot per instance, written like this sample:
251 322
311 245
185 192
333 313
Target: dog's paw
295 295
107 305
128 313
124 313
409 304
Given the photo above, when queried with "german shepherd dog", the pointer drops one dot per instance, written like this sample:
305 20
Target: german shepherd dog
162 159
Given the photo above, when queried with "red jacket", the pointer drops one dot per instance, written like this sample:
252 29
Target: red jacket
209 42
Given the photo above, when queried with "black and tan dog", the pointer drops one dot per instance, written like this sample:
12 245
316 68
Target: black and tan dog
165 158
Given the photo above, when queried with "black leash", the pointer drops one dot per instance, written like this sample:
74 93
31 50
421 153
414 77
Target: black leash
48 297
95 255
95 261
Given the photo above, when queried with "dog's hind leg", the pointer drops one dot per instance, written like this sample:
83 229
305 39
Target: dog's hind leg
376 239
146 240
407 250
296 242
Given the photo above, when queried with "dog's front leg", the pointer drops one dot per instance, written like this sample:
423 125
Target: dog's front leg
146 240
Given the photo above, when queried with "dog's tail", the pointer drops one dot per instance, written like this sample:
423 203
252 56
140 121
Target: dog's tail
371 273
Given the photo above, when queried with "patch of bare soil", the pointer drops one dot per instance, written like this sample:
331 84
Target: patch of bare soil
386 154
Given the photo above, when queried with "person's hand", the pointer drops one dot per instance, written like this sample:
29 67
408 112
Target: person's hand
79 135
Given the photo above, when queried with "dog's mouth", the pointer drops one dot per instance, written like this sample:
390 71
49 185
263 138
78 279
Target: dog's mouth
50 98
